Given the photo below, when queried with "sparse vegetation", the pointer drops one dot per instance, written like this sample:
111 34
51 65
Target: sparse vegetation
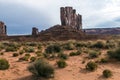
1 53
53 49
91 66
25 58
41 68
94 54
15 54
107 73
63 56
61 64
69 46
21 52
75 53
4 64
99 44
104 60
29 49
32 59
88 54
115 54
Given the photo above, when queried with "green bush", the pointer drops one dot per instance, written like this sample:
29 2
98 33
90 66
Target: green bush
29 49
81 44
21 52
91 66
104 60
107 73
111 44
62 56
10 49
69 46
27 55
94 54
25 58
75 53
32 59
15 54
1 53
31 44
39 53
99 44
115 54
61 64
41 68
4 64
12 46
53 49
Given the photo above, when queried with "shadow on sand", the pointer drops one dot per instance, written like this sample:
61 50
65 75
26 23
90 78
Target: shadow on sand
31 77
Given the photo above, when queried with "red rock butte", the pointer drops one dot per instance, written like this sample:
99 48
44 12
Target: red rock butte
70 28
3 31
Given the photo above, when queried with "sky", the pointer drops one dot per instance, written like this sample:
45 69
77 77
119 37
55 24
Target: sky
21 15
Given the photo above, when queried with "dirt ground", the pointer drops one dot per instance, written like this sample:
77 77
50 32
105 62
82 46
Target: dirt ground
75 69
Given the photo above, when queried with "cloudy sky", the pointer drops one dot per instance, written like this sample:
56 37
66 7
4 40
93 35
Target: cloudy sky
21 15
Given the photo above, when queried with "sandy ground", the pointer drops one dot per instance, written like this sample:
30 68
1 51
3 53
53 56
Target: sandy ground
74 71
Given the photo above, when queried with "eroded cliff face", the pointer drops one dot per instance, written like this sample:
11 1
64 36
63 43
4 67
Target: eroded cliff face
3 31
70 18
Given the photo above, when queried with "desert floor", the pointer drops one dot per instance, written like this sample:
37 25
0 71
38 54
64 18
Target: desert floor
75 69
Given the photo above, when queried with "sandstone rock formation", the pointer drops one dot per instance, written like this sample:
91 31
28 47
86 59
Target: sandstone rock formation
3 31
70 28
35 31
70 18
59 32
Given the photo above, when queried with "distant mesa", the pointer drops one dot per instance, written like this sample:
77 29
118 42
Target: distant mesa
3 30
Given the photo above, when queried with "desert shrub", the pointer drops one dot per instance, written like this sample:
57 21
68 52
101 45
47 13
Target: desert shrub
94 54
61 64
115 54
32 59
104 60
4 64
1 53
21 52
39 53
29 49
15 54
69 46
25 58
31 44
39 46
27 55
41 68
10 49
110 44
99 44
72 54
12 46
75 53
107 73
62 56
81 44
53 49
1 46
91 66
